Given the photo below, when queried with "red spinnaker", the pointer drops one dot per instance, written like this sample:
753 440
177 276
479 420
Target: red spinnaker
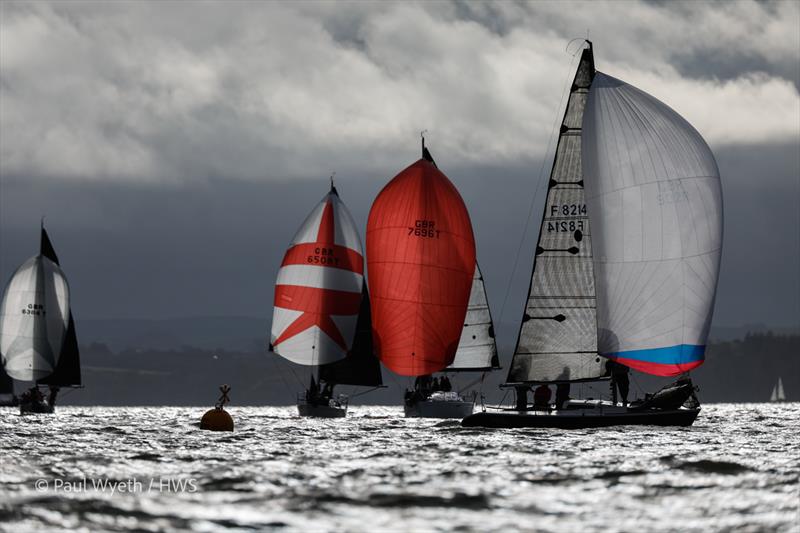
420 260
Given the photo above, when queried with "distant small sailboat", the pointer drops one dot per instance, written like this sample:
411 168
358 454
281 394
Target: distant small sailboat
778 395
626 265
423 276
321 310
37 331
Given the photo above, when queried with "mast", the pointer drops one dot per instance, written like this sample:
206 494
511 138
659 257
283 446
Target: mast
557 340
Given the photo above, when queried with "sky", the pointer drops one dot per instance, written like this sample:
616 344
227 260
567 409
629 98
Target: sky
174 148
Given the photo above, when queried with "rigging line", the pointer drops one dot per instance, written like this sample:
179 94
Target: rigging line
363 393
468 385
559 115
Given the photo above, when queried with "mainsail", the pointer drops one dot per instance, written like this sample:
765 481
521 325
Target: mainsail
655 203
35 319
477 348
421 260
318 290
360 367
558 337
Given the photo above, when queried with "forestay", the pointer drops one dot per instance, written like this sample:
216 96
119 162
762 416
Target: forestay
318 290
655 204
558 336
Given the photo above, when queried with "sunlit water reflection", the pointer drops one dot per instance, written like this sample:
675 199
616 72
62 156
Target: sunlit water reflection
736 468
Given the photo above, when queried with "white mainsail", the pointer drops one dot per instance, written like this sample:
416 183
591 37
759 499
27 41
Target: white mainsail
319 287
34 316
477 348
655 205
779 394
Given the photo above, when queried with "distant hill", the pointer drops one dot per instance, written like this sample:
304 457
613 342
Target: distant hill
246 333
742 370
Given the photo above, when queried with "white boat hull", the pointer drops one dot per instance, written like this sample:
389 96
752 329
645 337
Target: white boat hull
448 405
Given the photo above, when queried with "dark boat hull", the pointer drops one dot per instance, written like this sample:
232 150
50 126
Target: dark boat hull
35 408
582 419
321 411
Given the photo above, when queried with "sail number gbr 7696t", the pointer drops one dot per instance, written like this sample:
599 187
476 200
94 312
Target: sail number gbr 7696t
424 228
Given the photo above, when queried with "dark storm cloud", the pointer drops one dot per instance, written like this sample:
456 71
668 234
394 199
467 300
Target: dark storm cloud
165 92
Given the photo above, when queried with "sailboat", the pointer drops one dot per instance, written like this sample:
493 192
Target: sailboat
778 394
476 353
321 308
421 265
626 265
37 330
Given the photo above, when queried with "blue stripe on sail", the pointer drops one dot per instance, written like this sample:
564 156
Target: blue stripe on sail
670 355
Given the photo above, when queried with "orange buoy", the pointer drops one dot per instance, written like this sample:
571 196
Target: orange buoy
217 419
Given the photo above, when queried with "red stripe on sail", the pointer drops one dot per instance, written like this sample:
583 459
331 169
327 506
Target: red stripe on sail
421 260
308 320
317 306
324 254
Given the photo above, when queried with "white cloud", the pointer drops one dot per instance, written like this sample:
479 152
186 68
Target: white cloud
177 91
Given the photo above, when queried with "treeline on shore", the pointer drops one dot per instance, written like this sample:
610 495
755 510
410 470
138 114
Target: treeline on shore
743 370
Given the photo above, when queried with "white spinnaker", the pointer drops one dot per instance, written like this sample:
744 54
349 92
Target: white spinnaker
655 205
477 349
34 316
334 286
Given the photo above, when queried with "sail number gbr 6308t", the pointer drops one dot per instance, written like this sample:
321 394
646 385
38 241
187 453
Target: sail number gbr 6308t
323 256
424 228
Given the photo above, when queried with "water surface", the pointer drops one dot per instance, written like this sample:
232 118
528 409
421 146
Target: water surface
737 468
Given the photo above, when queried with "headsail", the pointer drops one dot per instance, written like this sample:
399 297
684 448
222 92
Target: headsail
780 395
655 203
318 290
421 259
360 367
558 336
477 348
35 317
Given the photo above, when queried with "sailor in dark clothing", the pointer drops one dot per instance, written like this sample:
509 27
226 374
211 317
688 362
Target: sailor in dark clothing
445 384
51 398
619 380
522 398
436 386
562 395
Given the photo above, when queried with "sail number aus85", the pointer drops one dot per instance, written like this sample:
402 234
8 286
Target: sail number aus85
568 210
424 228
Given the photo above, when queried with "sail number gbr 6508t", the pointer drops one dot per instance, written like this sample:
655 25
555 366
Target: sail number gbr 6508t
424 228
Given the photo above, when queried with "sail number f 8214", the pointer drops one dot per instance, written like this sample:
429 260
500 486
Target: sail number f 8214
568 210
424 228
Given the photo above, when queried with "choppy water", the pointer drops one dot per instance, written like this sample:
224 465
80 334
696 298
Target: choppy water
736 468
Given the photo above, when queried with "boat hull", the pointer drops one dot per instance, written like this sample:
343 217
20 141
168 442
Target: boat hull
321 411
35 408
438 409
580 419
